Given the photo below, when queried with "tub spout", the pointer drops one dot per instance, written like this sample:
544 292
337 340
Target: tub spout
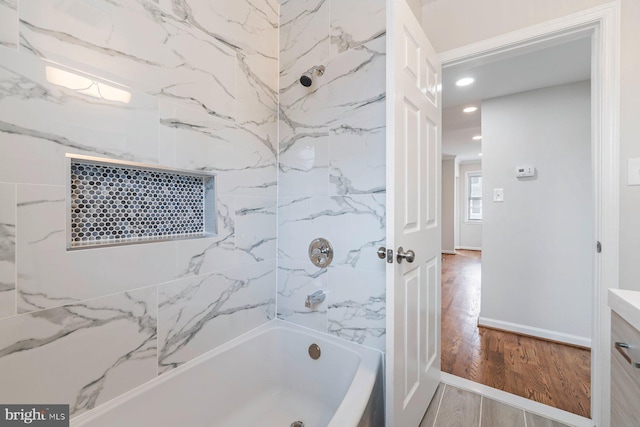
315 298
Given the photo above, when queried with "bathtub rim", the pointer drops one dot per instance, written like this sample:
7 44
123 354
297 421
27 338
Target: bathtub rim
350 410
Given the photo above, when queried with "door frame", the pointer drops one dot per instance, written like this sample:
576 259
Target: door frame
603 23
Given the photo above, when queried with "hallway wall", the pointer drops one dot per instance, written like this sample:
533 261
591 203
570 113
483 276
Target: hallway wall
449 211
537 274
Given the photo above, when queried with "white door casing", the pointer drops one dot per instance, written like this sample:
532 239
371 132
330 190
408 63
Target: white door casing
413 218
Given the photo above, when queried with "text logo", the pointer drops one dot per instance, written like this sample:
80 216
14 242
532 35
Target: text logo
34 415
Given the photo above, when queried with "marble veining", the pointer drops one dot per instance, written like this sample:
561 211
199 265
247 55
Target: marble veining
9 23
7 250
332 164
200 313
117 334
296 280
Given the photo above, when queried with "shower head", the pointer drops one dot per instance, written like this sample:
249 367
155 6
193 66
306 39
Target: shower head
306 79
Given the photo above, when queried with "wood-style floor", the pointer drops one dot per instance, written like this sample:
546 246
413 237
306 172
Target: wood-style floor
454 407
551 373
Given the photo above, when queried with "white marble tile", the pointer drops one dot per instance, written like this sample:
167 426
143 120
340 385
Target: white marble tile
296 280
355 226
245 25
257 97
206 255
304 165
304 43
357 306
356 81
355 24
256 228
245 163
356 114
358 158
82 354
202 312
7 249
137 43
50 276
68 120
9 23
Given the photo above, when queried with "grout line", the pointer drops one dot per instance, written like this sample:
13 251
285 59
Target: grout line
435 419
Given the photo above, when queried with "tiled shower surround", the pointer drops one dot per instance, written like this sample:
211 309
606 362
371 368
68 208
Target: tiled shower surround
331 180
82 327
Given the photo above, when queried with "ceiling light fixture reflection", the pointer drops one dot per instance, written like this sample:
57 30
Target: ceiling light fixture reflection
465 81
480 154
470 109
86 86
477 138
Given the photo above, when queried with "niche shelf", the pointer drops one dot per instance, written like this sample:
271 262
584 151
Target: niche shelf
113 202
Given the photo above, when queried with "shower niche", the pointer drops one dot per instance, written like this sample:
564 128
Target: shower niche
113 202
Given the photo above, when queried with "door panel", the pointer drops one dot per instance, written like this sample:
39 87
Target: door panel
413 209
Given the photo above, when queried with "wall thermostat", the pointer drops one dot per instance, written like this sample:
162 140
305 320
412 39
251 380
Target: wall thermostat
525 171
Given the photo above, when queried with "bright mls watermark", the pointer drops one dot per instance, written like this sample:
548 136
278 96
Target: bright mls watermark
34 415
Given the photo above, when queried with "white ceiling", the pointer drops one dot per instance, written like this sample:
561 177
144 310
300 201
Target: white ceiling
512 73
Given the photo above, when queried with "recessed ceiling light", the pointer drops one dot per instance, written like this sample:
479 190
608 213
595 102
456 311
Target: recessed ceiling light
470 109
465 81
477 138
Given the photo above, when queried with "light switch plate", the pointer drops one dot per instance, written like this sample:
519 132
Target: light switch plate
498 194
634 172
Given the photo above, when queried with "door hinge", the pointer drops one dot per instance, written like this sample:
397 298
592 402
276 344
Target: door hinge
598 247
390 256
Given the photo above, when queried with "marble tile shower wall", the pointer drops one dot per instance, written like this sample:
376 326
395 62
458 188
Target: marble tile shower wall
332 165
82 327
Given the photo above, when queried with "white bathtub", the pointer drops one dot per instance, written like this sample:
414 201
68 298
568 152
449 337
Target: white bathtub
264 378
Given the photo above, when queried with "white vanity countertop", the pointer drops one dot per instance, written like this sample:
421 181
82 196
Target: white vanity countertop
626 304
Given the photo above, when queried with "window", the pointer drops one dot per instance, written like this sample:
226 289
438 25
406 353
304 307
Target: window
474 196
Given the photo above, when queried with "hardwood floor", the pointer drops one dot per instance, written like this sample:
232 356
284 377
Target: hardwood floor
551 373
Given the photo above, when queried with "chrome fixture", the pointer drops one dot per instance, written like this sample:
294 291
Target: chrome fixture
408 255
315 298
306 79
314 351
320 252
297 424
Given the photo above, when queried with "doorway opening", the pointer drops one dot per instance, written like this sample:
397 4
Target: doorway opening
596 26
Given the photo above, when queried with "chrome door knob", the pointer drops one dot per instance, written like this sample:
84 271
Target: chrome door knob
382 252
408 255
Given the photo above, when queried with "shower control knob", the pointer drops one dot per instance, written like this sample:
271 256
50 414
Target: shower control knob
382 252
408 255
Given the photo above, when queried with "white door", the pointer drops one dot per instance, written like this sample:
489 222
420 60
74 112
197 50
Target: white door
413 218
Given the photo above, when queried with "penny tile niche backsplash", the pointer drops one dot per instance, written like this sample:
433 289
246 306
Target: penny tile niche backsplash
117 204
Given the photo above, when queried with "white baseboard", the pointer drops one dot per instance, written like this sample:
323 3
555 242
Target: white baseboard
535 332
448 252
517 401
469 248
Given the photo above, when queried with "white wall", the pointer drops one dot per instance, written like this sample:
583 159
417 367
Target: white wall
454 23
416 8
448 204
536 263
470 233
629 145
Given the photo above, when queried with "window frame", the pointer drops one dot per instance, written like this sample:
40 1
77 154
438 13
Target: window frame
467 196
